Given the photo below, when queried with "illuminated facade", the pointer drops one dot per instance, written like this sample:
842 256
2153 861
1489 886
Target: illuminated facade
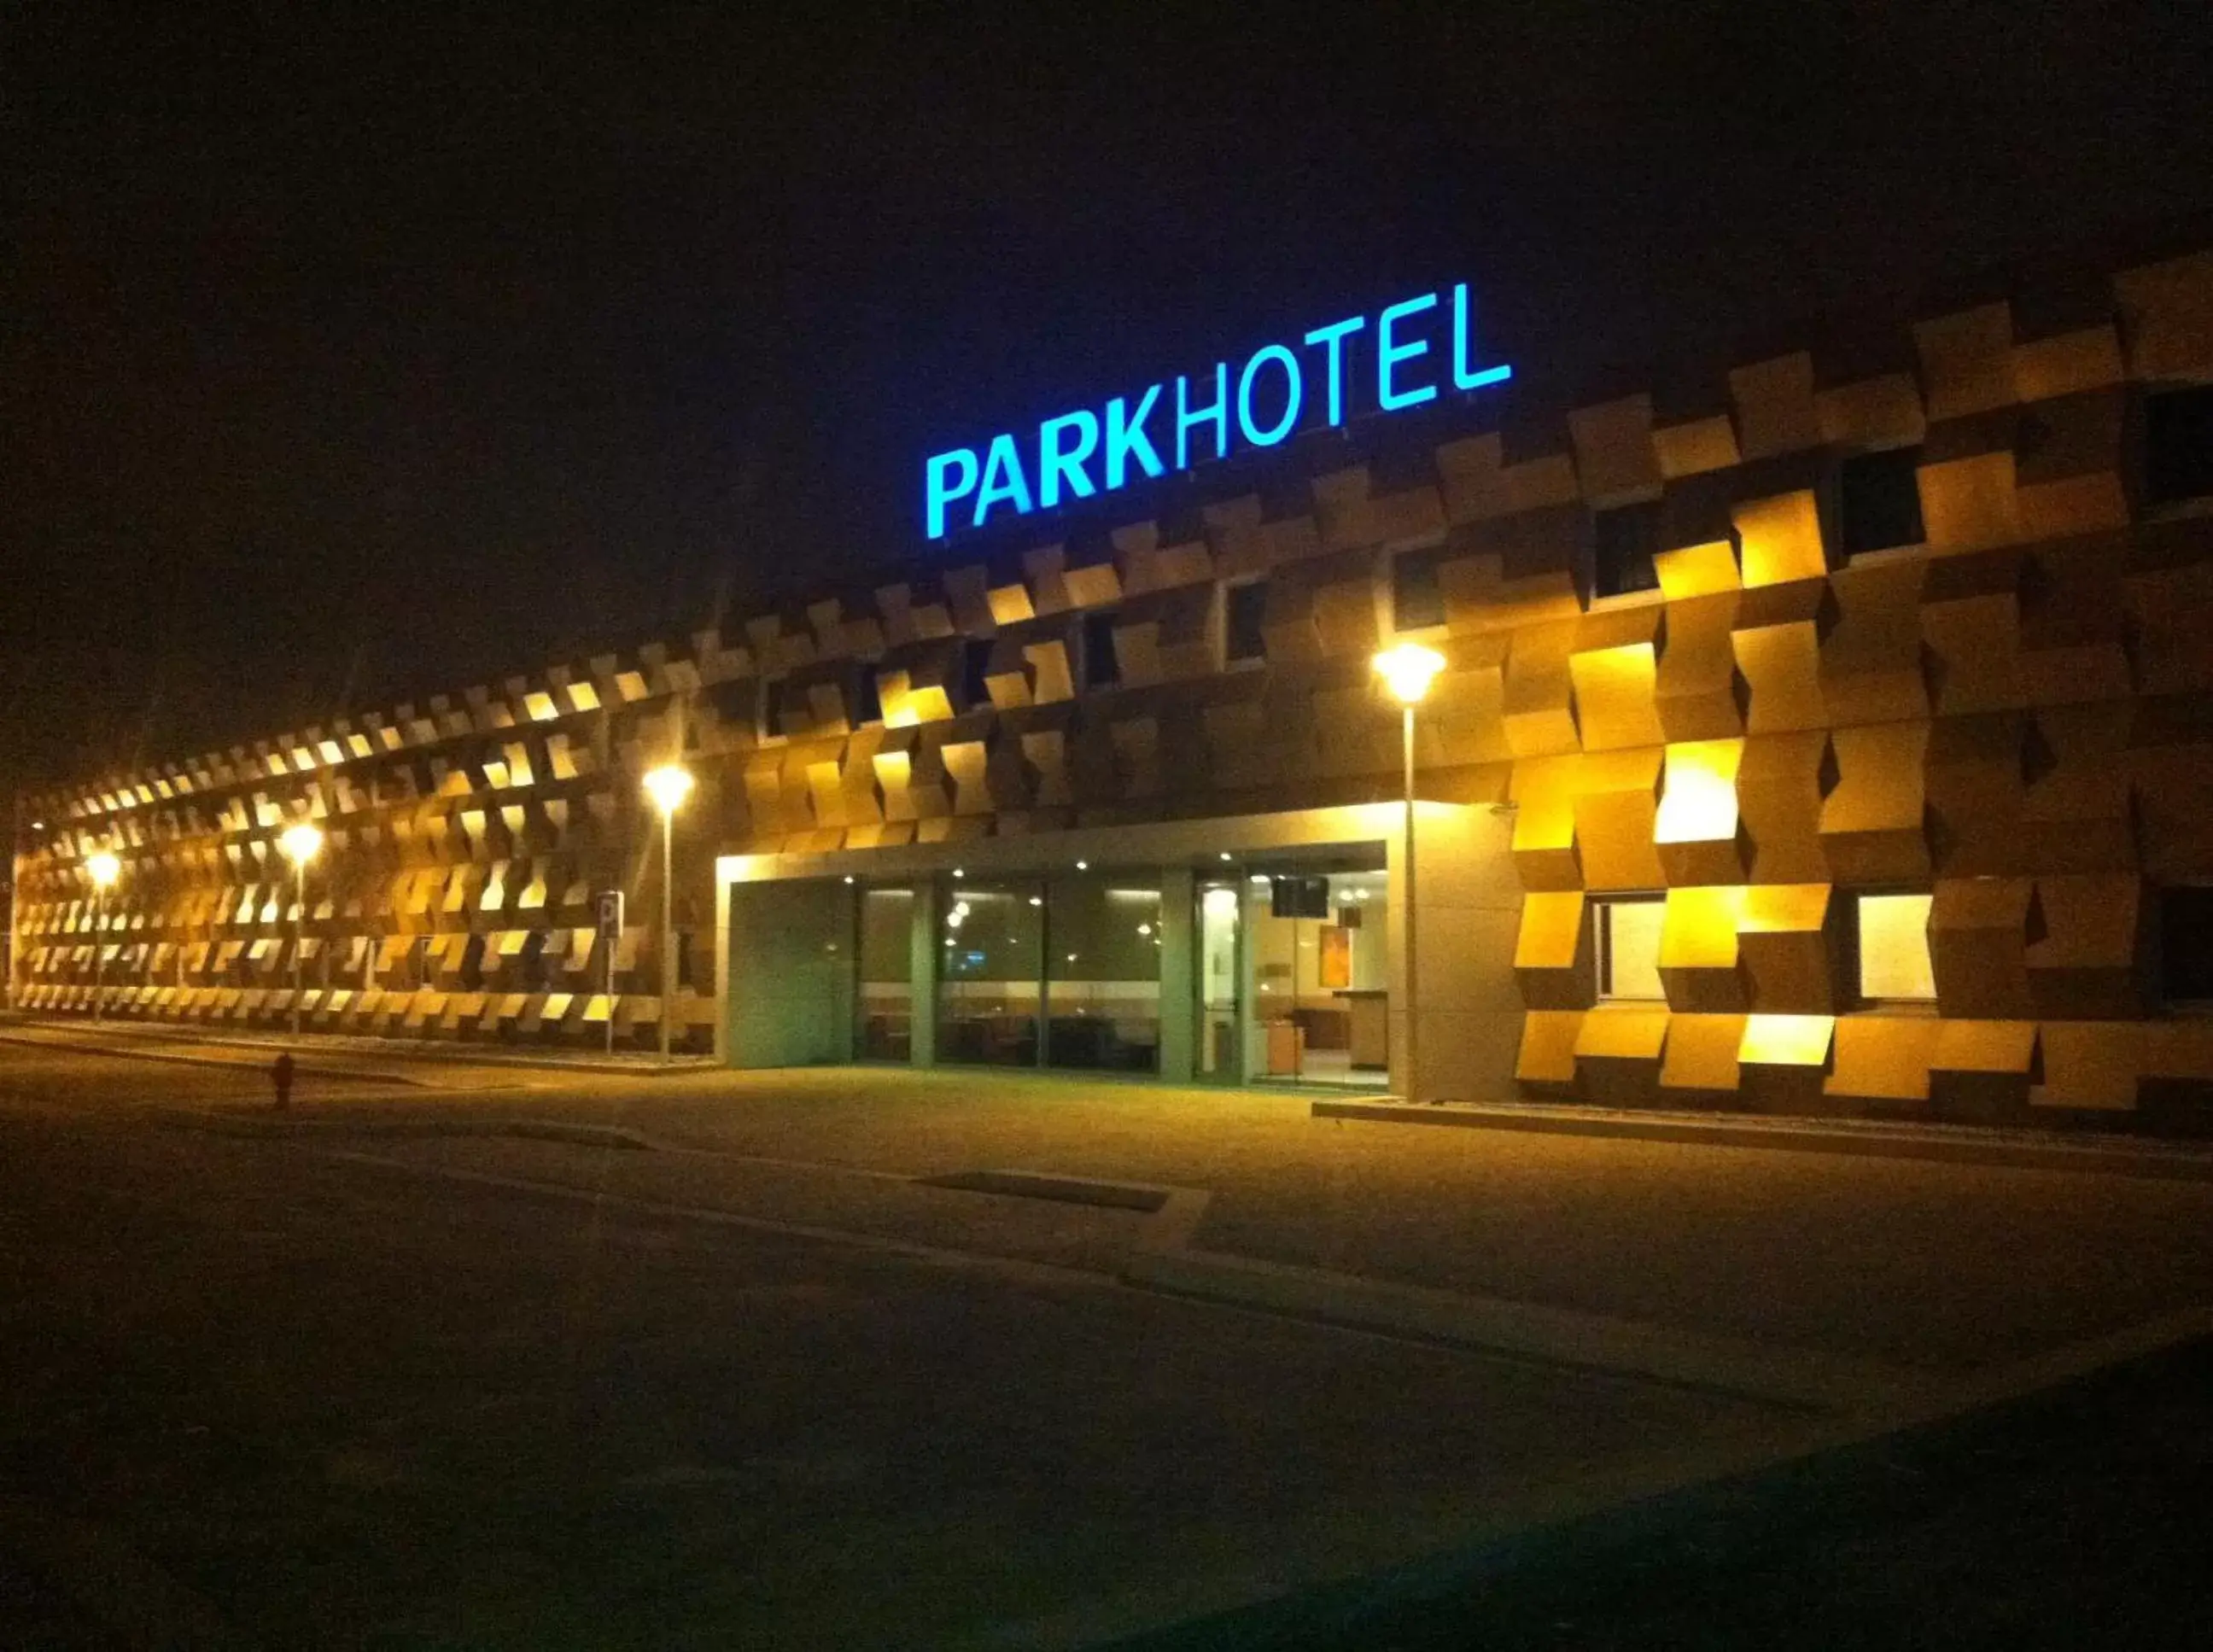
1838 736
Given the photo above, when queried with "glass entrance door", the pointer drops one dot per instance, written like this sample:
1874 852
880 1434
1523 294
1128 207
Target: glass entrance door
1318 956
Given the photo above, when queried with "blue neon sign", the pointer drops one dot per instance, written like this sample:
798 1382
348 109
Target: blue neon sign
1078 455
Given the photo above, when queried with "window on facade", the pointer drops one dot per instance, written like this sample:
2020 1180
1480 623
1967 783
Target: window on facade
1879 501
2179 444
772 702
867 699
1248 606
990 967
887 1011
2185 944
1627 933
1101 670
1893 949
1626 540
975 670
1103 970
1416 598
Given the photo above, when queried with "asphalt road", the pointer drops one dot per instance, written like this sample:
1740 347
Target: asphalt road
298 1400
2070 1518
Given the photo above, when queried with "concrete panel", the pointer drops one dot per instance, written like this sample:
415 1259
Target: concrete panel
790 972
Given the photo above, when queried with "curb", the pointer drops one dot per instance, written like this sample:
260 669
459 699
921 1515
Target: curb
464 1055
187 1058
268 1123
1933 1143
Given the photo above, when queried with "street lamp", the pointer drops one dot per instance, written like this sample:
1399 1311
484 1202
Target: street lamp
105 869
668 786
1407 671
300 843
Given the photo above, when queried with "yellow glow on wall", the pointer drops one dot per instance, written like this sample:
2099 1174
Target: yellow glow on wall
1894 961
1699 802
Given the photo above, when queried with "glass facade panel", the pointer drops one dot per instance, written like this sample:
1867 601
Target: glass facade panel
992 955
1103 930
887 1028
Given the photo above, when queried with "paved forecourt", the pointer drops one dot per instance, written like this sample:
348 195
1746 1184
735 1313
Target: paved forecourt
1947 1266
283 1389
1920 1265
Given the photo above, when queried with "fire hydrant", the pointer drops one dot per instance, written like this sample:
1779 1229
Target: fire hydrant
280 1074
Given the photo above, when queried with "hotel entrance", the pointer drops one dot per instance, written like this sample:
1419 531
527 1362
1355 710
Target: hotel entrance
1293 974
1266 962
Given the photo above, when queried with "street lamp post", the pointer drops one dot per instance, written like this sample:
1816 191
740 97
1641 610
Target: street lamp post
105 869
668 786
1407 671
302 842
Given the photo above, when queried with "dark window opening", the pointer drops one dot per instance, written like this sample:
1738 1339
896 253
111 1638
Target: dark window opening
1628 537
472 957
1101 667
868 698
1879 501
1418 600
2178 445
1248 606
2185 944
975 672
773 700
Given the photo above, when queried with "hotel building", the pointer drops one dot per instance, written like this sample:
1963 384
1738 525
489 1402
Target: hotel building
1830 732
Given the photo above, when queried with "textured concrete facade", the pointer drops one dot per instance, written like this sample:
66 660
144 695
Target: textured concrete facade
2014 714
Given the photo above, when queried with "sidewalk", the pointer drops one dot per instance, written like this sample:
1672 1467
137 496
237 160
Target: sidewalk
123 1034
1882 1270
1909 1263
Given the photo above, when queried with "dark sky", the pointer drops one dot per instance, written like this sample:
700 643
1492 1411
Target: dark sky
344 359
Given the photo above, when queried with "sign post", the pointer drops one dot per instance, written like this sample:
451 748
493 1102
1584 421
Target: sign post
609 902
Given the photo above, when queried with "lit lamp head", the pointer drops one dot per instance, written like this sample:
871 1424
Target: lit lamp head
668 786
1407 671
300 843
105 869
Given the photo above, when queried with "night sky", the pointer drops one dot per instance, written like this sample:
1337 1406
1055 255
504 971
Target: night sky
344 360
